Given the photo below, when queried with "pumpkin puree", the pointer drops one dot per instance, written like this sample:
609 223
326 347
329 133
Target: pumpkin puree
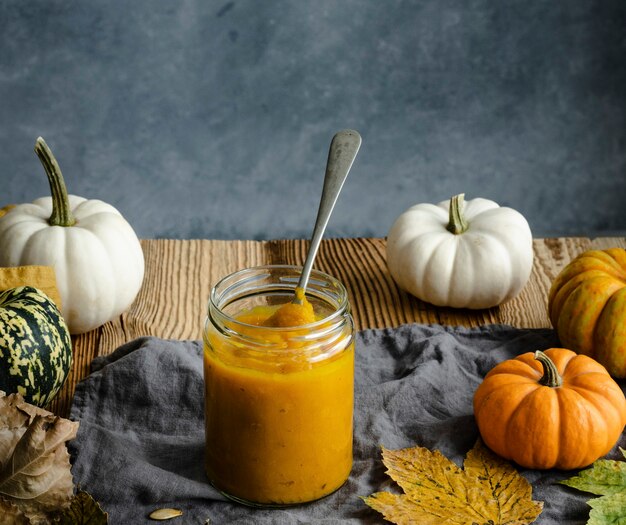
278 427
292 314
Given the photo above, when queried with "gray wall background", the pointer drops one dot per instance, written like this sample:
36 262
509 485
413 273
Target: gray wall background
204 119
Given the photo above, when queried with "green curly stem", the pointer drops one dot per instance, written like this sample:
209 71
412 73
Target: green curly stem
551 376
456 222
61 212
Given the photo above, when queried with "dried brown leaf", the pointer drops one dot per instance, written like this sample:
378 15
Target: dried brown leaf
11 514
438 492
35 471
84 510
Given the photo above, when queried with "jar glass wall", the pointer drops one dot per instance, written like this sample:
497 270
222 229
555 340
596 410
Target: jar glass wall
278 401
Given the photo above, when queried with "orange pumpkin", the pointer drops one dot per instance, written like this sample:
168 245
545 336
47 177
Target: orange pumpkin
556 409
587 306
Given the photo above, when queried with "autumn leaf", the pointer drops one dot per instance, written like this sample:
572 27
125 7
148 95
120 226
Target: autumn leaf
35 475
11 514
606 478
438 492
84 510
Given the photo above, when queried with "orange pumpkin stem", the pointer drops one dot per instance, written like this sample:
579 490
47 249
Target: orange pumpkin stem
456 222
61 211
551 376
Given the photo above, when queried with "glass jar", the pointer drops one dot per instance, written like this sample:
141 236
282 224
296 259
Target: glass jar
278 401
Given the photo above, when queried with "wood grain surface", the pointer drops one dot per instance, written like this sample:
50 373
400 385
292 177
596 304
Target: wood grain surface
180 274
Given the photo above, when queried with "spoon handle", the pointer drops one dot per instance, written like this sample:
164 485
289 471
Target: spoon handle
343 149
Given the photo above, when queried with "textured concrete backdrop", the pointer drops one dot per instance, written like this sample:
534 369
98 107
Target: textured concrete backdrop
212 119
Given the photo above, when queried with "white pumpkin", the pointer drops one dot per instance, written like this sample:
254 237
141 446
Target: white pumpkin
96 255
472 254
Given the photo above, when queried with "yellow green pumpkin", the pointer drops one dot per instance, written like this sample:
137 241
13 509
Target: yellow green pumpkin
587 307
35 345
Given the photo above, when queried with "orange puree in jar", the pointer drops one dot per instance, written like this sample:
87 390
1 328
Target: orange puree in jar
292 314
279 402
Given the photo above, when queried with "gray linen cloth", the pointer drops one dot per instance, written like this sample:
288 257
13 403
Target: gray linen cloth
141 437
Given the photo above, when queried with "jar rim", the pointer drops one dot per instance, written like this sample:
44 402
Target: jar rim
339 309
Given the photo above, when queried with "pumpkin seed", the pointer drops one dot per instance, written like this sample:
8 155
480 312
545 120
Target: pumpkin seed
165 514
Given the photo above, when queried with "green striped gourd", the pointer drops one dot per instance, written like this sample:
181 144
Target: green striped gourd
35 345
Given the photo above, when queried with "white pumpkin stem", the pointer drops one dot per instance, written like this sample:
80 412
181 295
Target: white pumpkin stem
456 222
61 212
551 376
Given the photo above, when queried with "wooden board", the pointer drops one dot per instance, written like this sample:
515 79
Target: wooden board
180 275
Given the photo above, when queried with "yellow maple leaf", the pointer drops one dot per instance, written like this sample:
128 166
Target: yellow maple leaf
486 491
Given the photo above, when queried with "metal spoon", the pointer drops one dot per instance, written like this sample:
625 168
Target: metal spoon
343 149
